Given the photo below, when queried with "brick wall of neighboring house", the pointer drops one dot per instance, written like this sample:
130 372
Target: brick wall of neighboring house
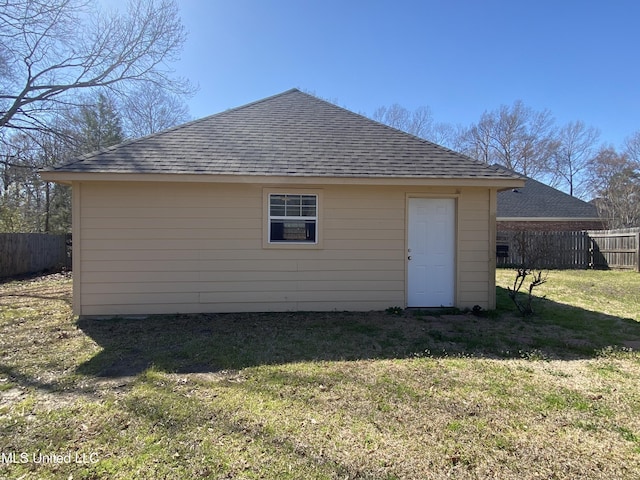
550 226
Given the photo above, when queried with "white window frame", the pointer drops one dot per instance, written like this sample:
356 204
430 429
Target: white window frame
294 218
268 218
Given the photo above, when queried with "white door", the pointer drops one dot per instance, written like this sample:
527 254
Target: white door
431 252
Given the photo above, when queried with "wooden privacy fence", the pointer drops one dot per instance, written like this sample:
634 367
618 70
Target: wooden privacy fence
584 249
616 248
22 253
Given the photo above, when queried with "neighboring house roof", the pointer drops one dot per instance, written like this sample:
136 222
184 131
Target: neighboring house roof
290 134
539 201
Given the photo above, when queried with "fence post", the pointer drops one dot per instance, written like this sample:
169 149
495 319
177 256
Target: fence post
638 251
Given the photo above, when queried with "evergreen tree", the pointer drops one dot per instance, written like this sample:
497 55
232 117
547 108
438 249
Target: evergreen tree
98 125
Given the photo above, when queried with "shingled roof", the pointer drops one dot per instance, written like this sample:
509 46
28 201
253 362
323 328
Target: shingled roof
290 134
537 200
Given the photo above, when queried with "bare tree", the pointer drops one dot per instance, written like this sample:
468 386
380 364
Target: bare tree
27 203
516 137
447 135
418 122
615 183
477 140
149 109
575 150
21 197
53 49
632 148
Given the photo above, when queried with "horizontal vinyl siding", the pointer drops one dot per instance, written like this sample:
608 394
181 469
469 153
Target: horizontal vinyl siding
195 248
168 248
474 248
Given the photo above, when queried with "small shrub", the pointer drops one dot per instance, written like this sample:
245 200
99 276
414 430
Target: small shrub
525 307
395 310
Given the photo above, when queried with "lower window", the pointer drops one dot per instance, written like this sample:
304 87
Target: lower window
293 218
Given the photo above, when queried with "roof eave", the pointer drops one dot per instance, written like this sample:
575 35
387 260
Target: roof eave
70 177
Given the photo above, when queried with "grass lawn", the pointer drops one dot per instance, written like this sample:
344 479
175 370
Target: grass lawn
376 395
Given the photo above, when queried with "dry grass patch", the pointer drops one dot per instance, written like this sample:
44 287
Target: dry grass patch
315 395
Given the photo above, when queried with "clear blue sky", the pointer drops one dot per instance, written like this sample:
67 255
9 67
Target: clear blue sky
579 59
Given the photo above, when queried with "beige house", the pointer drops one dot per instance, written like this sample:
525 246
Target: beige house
288 203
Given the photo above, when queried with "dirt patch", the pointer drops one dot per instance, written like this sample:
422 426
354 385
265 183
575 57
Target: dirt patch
37 277
12 396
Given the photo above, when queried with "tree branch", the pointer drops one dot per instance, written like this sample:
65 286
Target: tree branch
108 51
